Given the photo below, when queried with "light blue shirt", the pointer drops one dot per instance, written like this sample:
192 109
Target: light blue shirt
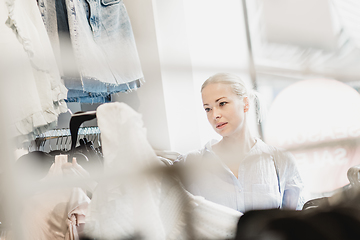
267 178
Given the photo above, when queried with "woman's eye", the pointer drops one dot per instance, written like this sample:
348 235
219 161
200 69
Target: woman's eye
222 103
207 109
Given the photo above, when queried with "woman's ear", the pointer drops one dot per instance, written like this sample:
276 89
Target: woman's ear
246 104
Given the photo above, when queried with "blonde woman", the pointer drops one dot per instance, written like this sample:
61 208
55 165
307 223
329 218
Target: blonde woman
240 171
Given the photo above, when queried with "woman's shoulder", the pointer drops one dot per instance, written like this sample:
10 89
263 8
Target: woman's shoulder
281 156
190 156
196 155
272 150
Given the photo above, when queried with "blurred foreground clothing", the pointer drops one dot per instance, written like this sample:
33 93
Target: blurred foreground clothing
336 217
139 195
56 206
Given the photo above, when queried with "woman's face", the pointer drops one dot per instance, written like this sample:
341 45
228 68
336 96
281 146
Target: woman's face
225 110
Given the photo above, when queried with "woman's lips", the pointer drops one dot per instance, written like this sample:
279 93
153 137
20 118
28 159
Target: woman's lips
221 125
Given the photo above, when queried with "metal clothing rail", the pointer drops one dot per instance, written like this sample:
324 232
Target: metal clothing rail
65 132
62 138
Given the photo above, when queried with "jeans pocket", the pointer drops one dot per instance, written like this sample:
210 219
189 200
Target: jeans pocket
109 2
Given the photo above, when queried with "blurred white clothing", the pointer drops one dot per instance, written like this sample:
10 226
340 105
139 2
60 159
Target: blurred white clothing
56 212
139 196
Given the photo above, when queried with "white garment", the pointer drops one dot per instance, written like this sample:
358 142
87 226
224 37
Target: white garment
185 216
125 203
267 178
28 69
55 213
139 196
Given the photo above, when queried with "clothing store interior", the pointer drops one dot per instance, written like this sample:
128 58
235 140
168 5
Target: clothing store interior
179 119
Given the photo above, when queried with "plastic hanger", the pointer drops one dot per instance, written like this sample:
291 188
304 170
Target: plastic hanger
75 122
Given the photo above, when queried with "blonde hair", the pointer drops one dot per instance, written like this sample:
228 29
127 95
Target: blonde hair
239 87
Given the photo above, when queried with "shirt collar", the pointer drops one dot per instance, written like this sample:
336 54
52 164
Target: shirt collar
259 147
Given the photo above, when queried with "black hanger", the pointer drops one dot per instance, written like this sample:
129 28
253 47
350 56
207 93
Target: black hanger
85 154
75 121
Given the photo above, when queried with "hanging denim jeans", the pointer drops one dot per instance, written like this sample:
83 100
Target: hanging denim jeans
95 46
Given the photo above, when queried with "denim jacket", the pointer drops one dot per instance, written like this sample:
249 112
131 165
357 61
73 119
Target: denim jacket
94 45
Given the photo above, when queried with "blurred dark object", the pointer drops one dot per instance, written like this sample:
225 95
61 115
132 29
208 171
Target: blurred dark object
346 193
334 223
34 165
331 218
314 203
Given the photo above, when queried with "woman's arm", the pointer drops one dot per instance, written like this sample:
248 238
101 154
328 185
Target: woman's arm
291 181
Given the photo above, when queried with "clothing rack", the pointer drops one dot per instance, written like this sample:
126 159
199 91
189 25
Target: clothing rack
65 132
63 137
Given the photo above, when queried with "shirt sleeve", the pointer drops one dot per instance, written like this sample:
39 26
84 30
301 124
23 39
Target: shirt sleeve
291 182
180 159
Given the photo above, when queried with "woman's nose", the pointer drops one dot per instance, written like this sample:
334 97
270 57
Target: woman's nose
216 114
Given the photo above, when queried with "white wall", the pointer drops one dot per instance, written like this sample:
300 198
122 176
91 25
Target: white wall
180 44
166 99
176 70
148 99
217 41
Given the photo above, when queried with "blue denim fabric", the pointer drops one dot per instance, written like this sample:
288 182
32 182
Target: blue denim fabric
96 36
91 97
